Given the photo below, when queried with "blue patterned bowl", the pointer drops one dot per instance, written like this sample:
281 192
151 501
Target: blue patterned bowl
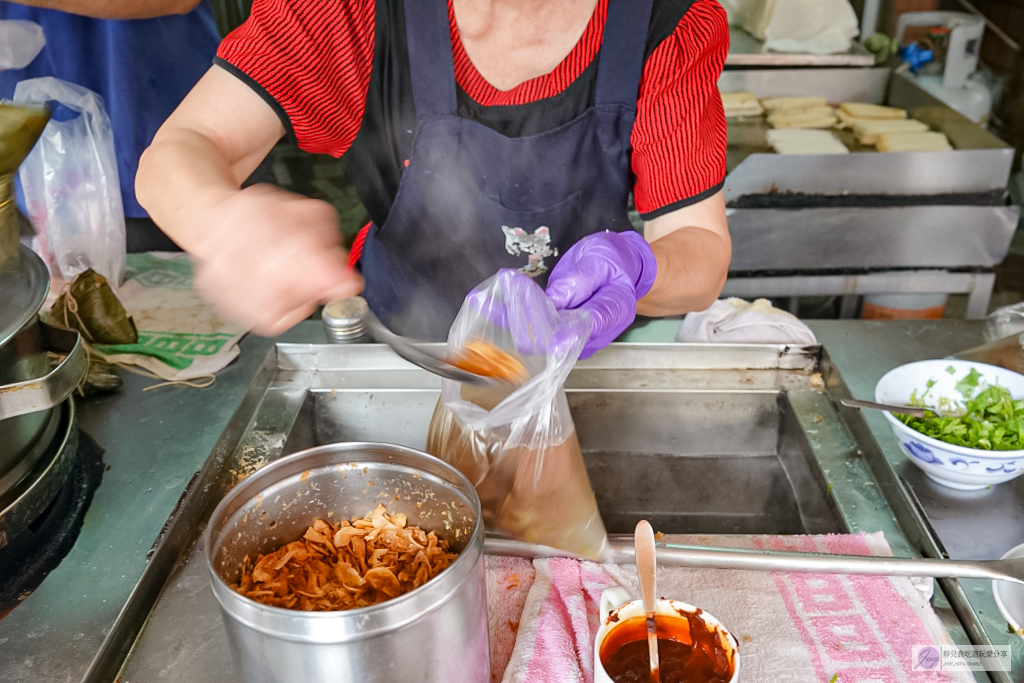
954 466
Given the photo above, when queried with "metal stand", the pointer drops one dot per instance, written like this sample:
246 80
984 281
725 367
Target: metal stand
977 285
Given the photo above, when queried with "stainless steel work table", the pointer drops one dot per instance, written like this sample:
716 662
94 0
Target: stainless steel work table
155 441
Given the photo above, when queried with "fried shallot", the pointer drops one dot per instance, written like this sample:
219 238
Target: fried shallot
348 565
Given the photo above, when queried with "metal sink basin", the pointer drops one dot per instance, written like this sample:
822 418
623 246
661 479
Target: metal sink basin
697 439
702 462
689 461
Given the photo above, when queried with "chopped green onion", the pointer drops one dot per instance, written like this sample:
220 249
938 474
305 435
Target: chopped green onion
991 420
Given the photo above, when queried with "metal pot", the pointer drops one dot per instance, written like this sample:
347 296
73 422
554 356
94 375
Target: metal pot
437 632
28 388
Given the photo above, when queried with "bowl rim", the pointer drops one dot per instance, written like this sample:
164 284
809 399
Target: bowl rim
995 591
938 443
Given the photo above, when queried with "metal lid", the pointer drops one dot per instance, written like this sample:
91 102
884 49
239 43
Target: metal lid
343 319
24 282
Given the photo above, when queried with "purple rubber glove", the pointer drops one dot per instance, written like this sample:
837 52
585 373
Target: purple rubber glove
605 274
512 301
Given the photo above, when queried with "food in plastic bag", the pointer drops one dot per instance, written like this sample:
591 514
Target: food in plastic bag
487 360
517 442
70 183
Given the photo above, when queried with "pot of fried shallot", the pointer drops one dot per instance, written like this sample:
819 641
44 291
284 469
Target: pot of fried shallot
352 562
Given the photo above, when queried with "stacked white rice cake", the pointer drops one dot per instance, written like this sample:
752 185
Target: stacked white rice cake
930 141
741 104
889 129
869 130
801 125
797 141
799 112
852 113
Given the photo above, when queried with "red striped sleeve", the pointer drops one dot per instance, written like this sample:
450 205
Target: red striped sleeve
679 138
313 60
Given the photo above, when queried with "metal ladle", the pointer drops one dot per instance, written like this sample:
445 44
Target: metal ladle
415 354
903 410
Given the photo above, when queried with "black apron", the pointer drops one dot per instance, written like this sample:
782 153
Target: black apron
472 200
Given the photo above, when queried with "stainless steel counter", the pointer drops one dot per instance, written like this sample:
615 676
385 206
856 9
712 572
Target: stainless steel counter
157 440
969 524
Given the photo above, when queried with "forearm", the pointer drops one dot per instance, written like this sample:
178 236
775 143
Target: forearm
692 267
201 155
116 9
181 176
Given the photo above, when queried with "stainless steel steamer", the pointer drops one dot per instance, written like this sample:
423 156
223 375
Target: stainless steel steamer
37 428
437 632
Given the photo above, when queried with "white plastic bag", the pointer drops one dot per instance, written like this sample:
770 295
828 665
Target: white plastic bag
802 26
70 183
20 42
519 447
1004 322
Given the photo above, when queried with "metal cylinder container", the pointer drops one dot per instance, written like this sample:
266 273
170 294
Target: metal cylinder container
22 353
437 632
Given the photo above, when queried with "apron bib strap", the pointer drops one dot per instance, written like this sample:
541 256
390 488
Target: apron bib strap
622 52
430 57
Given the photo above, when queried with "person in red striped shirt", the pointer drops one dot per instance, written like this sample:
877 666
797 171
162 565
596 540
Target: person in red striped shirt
480 134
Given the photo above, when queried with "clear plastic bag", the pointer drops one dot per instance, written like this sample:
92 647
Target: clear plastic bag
1004 322
20 42
70 183
518 444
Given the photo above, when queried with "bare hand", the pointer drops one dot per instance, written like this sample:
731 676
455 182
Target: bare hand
272 258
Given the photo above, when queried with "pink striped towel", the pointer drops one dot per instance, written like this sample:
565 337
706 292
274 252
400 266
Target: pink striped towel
802 628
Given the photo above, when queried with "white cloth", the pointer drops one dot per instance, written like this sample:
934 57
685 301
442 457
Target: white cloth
741 322
804 26
791 628
819 27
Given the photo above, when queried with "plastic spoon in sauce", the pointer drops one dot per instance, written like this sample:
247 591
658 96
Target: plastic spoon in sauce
646 567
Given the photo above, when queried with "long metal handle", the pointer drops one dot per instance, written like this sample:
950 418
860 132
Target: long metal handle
621 551
671 554
53 388
905 410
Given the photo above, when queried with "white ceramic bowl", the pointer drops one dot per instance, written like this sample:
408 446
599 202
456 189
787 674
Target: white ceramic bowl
1010 596
954 466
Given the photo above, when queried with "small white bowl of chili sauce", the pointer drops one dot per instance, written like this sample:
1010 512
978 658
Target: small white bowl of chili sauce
693 646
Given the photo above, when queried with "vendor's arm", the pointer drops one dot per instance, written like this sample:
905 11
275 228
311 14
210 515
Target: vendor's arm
679 154
679 151
692 248
116 9
265 258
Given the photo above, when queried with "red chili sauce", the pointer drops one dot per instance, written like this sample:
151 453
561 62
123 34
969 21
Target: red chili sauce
689 651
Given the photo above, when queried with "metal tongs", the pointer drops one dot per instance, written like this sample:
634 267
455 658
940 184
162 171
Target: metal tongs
414 352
